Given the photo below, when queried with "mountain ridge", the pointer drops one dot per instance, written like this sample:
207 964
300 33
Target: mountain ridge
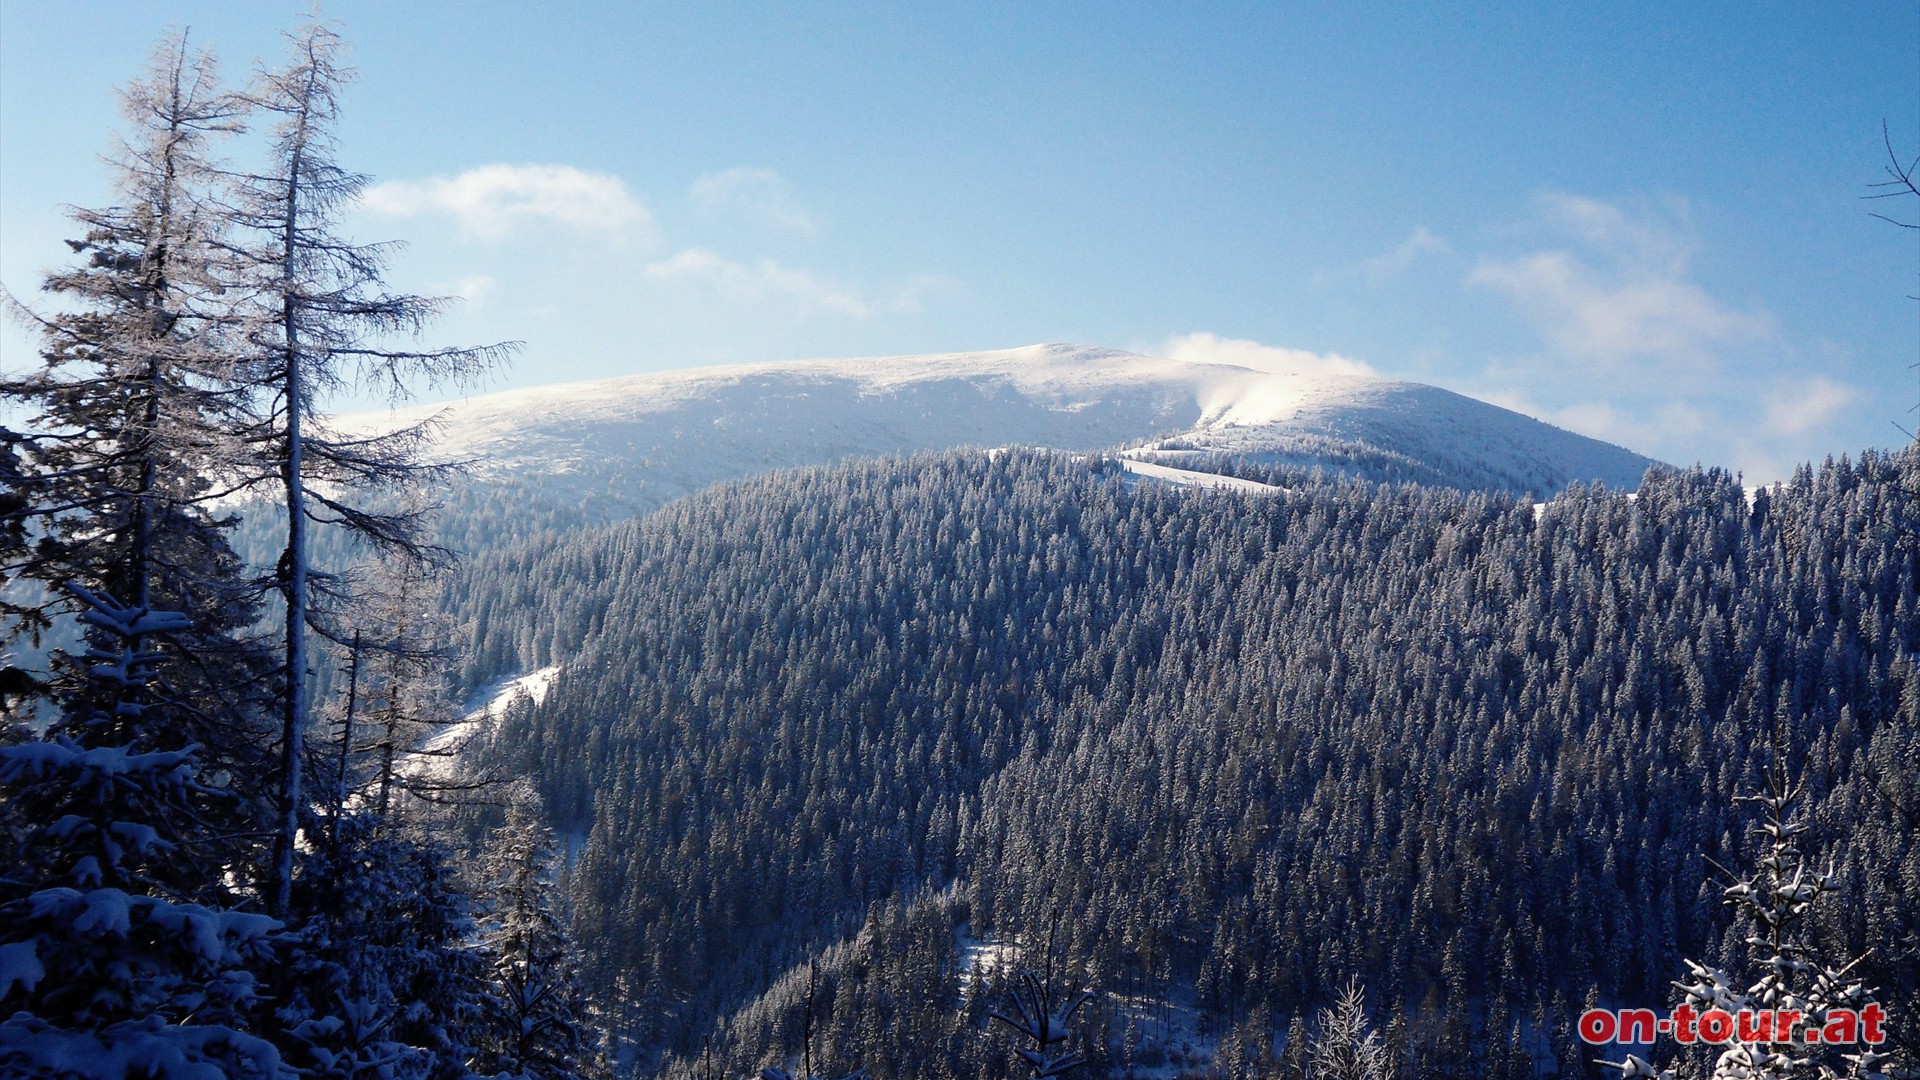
672 432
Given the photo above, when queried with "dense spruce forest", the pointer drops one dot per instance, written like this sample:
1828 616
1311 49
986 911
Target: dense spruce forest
1240 749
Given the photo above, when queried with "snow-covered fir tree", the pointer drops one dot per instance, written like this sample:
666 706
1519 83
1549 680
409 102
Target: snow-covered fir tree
200 333
384 975
1774 907
401 655
535 1020
1041 1019
394 977
1345 1045
807 1027
121 954
20 622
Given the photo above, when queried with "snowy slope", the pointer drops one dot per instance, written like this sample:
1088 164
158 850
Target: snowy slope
665 434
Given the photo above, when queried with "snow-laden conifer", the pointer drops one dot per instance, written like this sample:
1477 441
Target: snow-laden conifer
17 620
534 1024
1773 906
780 1072
1345 1045
383 975
108 966
1042 1018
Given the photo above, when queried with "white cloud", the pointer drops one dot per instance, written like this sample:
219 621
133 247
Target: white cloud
1587 311
761 279
912 298
474 288
1205 348
759 193
1805 404
806 291
493 200
1378 270
1391 264
1761 436
1638 351
1627 297
1641 245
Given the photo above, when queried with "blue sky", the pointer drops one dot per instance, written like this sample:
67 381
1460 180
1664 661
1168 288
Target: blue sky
1640 221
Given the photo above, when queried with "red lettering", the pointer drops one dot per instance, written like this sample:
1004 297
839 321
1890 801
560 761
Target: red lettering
1756 1025
1716 1026
1597 1026
1683 1019
1870 1020
1843 1026
1638 1025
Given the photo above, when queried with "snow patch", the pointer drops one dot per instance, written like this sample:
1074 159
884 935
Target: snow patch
1190 478
982 959
19 963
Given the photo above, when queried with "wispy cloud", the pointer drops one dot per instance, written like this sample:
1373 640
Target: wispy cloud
1623 295
1422 243
1205 348
1660 246
474 289
761 194
801 290
493 201
1644 428
762 278
913 297
1801 405
1374 271
1587 311
1637 349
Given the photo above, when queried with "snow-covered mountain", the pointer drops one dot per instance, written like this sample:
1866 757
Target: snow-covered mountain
665 434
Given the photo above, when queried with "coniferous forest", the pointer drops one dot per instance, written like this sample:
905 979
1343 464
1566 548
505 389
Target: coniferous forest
1226 752
973 764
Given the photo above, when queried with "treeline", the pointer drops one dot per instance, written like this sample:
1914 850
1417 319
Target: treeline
1242 748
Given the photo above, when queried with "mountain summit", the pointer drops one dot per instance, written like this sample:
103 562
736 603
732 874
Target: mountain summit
673 432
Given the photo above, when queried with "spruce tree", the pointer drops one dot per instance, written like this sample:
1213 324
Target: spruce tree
383 975
535 1017
18 620
119 954
1345 1046
1774 906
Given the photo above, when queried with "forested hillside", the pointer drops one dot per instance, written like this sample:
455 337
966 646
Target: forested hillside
1242 748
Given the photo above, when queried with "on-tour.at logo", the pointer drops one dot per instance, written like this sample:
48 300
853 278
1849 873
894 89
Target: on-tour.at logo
1685 1025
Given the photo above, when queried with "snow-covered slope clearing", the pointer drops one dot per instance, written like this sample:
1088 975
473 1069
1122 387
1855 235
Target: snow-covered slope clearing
437 757
1168 474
